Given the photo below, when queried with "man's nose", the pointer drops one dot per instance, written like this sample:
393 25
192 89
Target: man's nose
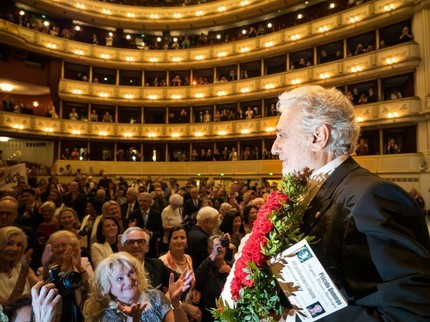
275 147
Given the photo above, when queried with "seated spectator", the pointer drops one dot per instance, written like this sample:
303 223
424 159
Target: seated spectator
94 117
256 112
395 95
392 146
207 117
323 58
249 113
405 35
95 41
362 147
301 64
176 81
360 49
107 118
362 99
107 239
211 276
233 155
109 40
217 117
73 115
75 154
371 96
51 111
16 276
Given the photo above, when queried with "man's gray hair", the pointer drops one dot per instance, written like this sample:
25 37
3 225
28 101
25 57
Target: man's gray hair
176 200
206 213
320 106
129 230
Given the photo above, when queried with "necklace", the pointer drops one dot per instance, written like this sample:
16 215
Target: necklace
183 262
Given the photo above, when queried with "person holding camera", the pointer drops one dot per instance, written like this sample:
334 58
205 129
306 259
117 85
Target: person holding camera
211 275
121 293
16 276
63 265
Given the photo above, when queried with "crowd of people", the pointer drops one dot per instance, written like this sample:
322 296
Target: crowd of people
88 227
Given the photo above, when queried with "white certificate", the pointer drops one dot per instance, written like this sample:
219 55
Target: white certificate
306 284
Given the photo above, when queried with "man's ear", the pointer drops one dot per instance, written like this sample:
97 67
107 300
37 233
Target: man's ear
320 138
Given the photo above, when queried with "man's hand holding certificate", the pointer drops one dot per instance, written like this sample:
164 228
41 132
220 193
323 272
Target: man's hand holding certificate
306 283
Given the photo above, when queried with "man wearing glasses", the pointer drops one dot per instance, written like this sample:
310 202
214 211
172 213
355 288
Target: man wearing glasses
135 241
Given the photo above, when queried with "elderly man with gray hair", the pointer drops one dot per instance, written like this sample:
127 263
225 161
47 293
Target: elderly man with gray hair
207 221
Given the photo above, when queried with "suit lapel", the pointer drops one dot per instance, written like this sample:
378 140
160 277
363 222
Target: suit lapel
323 199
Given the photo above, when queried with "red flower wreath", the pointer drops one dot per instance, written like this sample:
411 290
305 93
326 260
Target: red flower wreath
251 252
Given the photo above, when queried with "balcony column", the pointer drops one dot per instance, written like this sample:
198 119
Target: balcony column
117 77
90 76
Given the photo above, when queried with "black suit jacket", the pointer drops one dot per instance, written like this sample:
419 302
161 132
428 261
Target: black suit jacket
373 240
198 245
158 273
154 224
190 208
124 208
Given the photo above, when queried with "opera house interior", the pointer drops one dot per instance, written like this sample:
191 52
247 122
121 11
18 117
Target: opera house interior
142 88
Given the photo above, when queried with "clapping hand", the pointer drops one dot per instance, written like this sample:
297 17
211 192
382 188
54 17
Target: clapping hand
26 260
181 285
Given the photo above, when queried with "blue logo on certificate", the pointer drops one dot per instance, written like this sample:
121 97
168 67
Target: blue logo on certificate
304 254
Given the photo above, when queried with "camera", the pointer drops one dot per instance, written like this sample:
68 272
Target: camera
65 282
224 242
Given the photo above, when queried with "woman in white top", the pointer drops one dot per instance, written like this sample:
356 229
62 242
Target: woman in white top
107 239
16 277
172 215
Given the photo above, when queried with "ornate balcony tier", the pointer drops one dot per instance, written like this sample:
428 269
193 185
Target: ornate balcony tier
382 164
160 18
385 112
348 70
292 39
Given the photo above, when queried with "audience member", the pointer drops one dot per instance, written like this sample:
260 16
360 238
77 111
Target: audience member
179 262
107 238
211 276
149 219
109 301
207 220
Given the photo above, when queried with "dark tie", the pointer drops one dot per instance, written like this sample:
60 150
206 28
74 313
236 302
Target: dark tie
145 217
129 210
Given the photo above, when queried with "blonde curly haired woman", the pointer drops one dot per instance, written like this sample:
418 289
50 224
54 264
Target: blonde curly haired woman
120 293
